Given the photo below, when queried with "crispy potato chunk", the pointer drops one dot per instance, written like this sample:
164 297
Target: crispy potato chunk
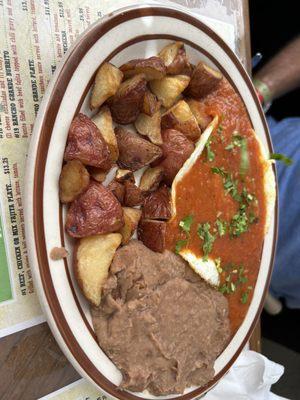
118 189
107 81
103 121
123 175
181 118
150 127
131 220
86 144
133 195
204 80
135 152
96 211
74 179
98 174
153 234
169 88
152 68
175 59
128 101
176 150
150 104
157 205
92 259
199 111
151 179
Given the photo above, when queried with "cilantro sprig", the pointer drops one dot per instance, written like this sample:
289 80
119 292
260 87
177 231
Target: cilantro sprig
281 157
208 238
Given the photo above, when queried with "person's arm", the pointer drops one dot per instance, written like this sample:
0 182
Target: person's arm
281 74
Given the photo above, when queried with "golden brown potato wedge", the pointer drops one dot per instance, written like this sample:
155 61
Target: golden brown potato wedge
175 59
92 259
133 195
150 127
86 143
200 113
103 121
181 118
153 234
131 218
150 105
118 190
151 179
204 80
98 174
152 68
74 179
95 211
127 103
107 81
123 175
157 205
135 152
169 88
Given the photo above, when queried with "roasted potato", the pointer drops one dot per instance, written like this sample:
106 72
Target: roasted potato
107 81
133 195
131 220
181 118
123 175
157 205
95 211
153 234
118 190
98 174
92 258
128 101
135 152
152 68
150 127
200 113
204 80
150 104
175 59
103 121
74 179
169 88
86 144
151 179
176 150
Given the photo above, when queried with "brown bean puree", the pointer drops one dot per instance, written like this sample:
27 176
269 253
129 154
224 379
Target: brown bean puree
160 324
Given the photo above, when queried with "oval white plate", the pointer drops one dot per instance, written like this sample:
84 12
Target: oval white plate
126 34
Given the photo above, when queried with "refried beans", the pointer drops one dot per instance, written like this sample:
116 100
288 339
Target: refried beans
160 324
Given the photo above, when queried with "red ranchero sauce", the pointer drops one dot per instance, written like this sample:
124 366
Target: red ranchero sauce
201 194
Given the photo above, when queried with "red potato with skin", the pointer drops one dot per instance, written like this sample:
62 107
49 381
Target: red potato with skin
133 195
203 81
157 205
176 150
95 211
151 179
127 103
152 68
153 234
150 104
86 144
134 151
118 190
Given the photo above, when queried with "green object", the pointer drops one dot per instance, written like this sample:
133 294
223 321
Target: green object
281 157
207 237
5 284
186 223
180 244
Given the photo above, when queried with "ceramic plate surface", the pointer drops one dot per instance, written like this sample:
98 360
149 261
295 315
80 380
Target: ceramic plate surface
126 34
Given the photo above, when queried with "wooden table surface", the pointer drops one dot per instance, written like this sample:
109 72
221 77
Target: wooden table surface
31 363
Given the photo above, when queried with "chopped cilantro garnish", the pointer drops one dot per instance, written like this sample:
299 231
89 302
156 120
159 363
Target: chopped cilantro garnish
221 226
179 245
239 223
281 157
244 166
207 237
210 154
237 141
220 129
234 278
245 295
186 223
219 171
